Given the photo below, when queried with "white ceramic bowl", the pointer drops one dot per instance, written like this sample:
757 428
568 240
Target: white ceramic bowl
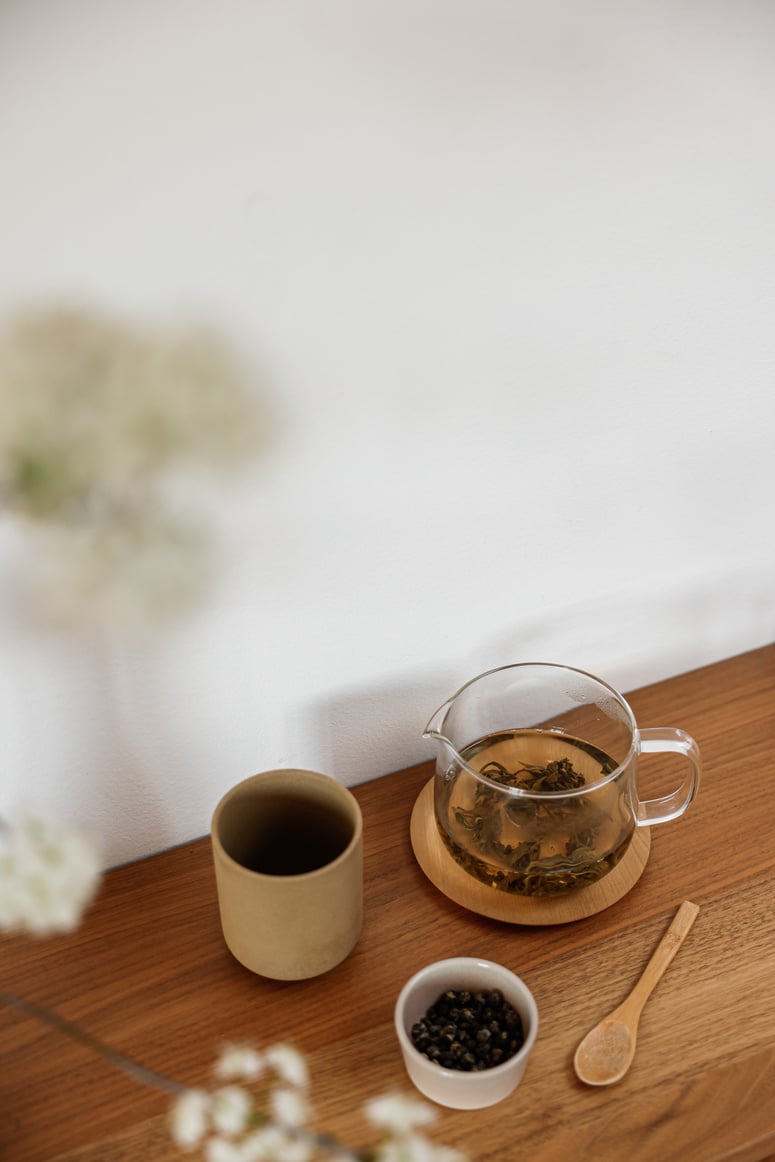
453 1087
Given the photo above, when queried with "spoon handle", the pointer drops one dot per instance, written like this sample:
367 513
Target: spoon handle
662 956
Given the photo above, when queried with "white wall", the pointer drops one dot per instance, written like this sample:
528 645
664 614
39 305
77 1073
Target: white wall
508 269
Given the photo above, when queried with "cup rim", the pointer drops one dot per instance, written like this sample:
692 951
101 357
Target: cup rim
460 964
344 794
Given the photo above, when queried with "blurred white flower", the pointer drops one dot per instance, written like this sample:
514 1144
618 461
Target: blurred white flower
189 1118
398 1114
228 1127
230 1109
239 1063
141 567
48 876
288 1064
397 1150
415 1148
289 1107
273 1144
100 422
265 1143
295 1150
225 1150
448 1154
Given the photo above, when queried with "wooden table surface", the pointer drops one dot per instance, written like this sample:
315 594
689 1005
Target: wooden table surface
148 973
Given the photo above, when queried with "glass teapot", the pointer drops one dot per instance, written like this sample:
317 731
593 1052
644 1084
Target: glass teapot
536 785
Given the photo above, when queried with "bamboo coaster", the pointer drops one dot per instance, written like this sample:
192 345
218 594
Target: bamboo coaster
455 883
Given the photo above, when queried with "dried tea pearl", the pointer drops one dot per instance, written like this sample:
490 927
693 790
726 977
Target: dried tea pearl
469 1031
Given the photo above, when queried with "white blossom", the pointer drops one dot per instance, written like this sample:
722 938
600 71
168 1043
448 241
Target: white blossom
99 420
48 876
225 1150
239 1063
295 1150
289 1065
230 1109
189 1118
289 1107
265 1143
273 1144
222 1123
398 1114
415 1148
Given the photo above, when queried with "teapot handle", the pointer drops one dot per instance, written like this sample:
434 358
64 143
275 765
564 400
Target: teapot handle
663 740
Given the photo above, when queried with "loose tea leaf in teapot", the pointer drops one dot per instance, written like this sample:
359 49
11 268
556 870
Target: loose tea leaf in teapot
551 840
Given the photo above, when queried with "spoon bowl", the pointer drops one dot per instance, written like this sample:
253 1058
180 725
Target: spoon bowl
607 1051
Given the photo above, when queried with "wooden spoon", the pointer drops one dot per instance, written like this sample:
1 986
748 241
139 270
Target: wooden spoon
606 1053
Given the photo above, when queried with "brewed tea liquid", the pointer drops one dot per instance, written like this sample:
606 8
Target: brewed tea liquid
533 847
290 837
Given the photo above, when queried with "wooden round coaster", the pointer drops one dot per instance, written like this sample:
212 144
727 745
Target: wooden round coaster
450 878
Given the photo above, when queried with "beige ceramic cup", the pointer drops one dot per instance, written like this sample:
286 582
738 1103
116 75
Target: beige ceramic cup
288 854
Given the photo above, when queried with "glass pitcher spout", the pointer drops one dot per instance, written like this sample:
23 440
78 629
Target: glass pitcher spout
436 722
434 730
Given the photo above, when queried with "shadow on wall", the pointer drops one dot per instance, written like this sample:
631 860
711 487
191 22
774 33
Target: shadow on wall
366 733
369 732
70 683
634 639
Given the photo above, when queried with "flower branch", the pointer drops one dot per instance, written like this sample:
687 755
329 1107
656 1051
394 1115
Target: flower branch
268 1122
259 1108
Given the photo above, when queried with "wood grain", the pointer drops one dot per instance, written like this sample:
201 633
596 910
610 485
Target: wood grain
148 972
